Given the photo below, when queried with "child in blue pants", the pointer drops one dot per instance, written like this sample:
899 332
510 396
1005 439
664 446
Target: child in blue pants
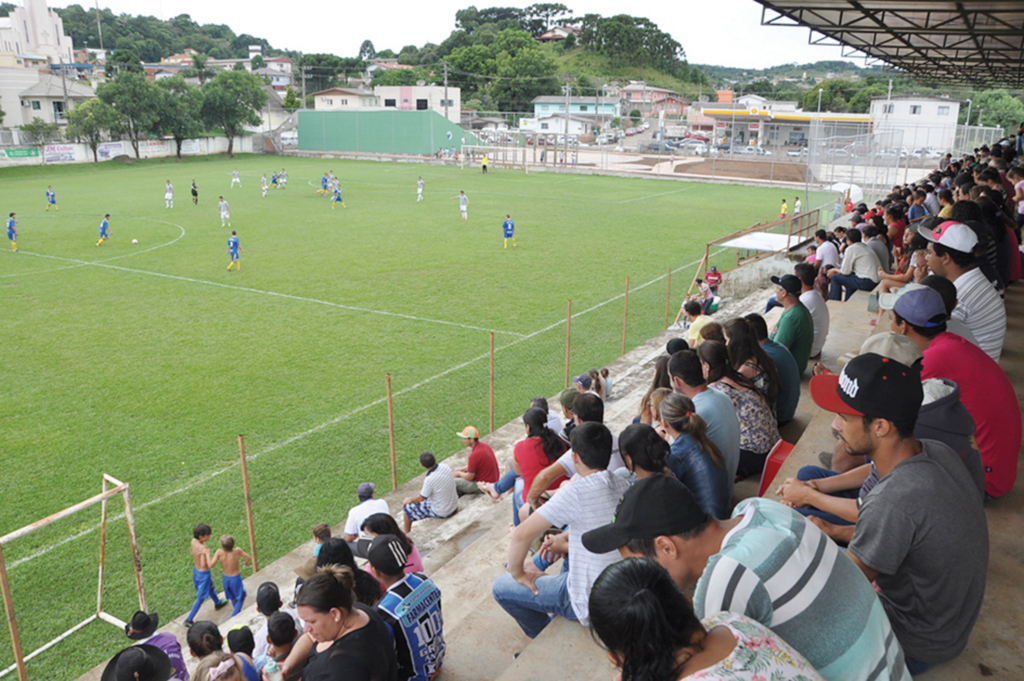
229 557
201 572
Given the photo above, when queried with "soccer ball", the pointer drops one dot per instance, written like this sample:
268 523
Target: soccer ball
135 241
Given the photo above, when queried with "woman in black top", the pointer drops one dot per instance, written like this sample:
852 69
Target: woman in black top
344 639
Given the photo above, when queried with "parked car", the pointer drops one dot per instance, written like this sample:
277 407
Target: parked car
659 147
697 136
796 153
745 151
838 153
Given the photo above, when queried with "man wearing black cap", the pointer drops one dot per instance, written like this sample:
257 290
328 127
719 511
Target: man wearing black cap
795 329
766 562
268 602
411 606
924 499
142 629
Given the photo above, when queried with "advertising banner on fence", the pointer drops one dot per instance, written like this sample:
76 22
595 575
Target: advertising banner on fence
153 148
22 153
108 150
190 147
59 153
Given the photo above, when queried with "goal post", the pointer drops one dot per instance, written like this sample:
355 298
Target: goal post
111 488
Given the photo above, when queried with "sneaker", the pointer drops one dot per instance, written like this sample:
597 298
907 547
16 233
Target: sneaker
187 624
222 604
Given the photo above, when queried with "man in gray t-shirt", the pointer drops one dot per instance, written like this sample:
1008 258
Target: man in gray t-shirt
921 534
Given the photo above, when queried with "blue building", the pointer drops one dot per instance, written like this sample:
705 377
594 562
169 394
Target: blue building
551 105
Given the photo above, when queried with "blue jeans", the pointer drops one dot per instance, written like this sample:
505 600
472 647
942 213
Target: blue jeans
532 612
203 582
506 483
772 302
916 666
517 500
851 282
818 473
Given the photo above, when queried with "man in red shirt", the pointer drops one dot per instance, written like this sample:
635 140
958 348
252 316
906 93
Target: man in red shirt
920 314
482 466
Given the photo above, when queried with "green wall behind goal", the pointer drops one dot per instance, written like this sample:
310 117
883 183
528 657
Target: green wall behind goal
381 132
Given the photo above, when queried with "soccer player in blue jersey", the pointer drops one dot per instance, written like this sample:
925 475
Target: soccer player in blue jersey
12 233
411 607
195 193
273 180
104 229
51 199
336 198
324 184
509 228
233 248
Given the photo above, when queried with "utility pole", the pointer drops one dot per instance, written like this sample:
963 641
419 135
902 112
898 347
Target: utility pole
64 86
302 73
568 94
445 89
99 26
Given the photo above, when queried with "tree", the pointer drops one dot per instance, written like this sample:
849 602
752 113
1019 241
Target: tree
39 131
90 121
366 51
291 100
569 42
137 100
258 62
2 114
231 101
181 113
123 60
198 69
1000 109
540 17
403 77
239 66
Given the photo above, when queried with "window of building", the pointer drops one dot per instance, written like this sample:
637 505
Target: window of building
36 105
344 102
422 105
328 102
58 110
583 107
943 110
389 102
888 108
451 102
915 109
543 126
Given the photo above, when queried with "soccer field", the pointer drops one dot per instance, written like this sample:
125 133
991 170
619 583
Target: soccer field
145 361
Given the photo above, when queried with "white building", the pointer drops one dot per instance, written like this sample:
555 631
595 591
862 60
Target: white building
925 121
421 98
578 125
35 30
344 99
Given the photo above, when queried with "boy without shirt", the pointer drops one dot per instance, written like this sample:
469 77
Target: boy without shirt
201 571
229 556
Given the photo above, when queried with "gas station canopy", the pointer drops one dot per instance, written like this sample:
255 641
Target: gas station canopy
972 41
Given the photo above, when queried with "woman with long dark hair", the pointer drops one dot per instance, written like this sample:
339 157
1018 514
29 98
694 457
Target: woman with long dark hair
651 632
694 458
748 358
758 429
540 449
644 451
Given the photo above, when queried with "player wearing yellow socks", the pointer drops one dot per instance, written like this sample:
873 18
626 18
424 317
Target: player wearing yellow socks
104 229
12 233
509 228
51 199
233 249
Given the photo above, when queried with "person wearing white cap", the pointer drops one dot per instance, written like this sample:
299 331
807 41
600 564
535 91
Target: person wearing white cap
951 255
367 506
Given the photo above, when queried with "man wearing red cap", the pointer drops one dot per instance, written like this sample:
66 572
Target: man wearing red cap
924 498
481 467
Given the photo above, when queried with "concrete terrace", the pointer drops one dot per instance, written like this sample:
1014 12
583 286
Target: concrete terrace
465 553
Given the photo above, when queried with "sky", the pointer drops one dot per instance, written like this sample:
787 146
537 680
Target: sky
726 32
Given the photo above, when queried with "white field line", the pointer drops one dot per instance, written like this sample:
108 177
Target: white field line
336 419
651 196
274 294
82 263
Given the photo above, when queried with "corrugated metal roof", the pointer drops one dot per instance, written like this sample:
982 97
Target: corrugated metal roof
972 41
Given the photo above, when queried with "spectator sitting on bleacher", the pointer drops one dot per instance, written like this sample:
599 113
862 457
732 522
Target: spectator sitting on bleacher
281 633
142 629
750 360
947 290
661 380
367 506
832 498
766 562
825 258
481 467
555 422
859 271
650 631
695 460
437 499
919 313
383 523
697 319
643 449
587 408
584 383
785 366
924 497
714 407
532 597
795 328
411 607
950 255
337 552
537 454
872 237
758 429
141 662
268 603
815 304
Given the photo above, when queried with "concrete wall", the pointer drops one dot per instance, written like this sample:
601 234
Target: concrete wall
383 132
81 153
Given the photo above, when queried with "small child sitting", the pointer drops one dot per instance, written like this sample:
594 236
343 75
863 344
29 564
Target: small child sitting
281 635
229 557
812 254
219 666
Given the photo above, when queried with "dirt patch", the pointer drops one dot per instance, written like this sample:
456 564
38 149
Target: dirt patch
123 158
754 170
647 161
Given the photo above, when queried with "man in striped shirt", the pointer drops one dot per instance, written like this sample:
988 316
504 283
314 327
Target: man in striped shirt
766 562
951 255
438 498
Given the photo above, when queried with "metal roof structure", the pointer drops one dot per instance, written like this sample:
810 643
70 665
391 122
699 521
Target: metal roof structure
972 41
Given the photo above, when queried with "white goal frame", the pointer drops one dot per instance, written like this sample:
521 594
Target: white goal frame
101 498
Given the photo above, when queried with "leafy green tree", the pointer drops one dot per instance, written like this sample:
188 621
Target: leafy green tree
258 63
181 115
410 55
636 115
999 108
2 114
137 101
123 60
6 8
386 54
40 131
366 51
403 77
322 70
231 101
90 121
199 69
239 66
569 42
291 100
540 17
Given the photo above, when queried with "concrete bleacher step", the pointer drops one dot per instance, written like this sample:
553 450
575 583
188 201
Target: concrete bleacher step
564 648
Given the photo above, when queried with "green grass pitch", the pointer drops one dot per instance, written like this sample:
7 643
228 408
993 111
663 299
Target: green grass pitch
146 361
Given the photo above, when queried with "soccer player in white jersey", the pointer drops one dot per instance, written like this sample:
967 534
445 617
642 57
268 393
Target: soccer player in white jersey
263 183
225 215
235 179
169 195
463 204
419 189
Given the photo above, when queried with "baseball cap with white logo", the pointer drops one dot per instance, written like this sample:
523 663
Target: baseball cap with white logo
871 385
